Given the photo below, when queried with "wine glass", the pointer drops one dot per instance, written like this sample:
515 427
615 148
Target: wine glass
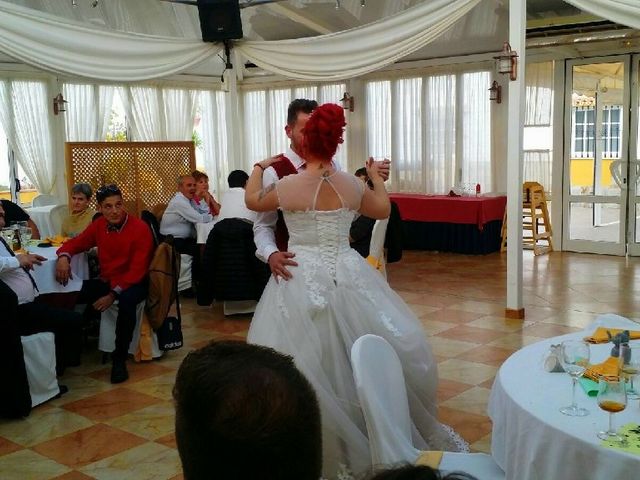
574 359
26 234
629 363
7 234
612 398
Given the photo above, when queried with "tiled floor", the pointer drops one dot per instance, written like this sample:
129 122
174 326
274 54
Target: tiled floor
125 432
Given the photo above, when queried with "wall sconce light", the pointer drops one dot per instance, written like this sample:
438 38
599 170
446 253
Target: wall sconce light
58 104
347 102
507 61
495 92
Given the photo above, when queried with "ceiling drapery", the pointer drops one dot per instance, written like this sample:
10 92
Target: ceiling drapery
624 12
354 52
54 43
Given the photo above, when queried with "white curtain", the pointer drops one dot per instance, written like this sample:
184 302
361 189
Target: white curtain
360 50
55 43
26 121
537 167
408 153
88 111
624 12
476 162
217 163
440 108
157 114
255 126
379 119
538 93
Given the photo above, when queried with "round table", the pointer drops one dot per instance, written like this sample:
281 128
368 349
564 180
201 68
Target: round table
41 216
44 274
532 440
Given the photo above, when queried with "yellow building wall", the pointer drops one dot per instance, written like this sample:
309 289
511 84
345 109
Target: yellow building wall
26 196
581 172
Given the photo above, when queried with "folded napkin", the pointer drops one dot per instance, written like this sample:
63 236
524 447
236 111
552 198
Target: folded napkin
600 335
608 368
56 240
589 386
430 458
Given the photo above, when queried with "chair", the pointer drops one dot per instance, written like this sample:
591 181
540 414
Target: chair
57 215
381 389
184 281
376 256
107 338
43 200
154 225
40 362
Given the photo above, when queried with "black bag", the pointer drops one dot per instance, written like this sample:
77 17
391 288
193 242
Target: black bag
170 334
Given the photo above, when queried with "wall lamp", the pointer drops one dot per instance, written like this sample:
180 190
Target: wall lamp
58 104
507 61
347 102
495 92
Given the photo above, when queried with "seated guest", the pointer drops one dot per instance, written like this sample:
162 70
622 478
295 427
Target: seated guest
246 412
203 200
14 213
125 247
362 227
32 317
81 215
418 472
233 205
180 218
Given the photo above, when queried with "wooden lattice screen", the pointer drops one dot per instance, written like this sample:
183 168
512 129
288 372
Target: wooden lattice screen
146 172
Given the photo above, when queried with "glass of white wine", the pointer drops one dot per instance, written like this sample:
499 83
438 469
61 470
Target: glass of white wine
7 234
629 363
612 398
25 234
575 360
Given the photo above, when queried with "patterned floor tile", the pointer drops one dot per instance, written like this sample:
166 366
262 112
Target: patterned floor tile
7 446
151 422
73 475
42 425
111 404
137 371
473 400
87 446
487 354
465 372
27 464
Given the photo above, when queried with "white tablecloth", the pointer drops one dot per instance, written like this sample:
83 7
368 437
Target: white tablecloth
532 440
41 216
202 231
44 274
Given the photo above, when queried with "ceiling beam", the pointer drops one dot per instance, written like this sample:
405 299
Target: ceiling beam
298 17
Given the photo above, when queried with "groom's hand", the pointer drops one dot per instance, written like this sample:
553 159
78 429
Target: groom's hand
278 262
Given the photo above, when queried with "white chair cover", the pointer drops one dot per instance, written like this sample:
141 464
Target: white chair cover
107 337
379 380
42 200
383 396
40 362
236 307
57 216
376 247
184 281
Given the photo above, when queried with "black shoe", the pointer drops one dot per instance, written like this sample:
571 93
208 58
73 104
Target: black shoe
119 372
188 293
63 389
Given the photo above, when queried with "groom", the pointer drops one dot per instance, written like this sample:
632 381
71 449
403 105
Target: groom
269 230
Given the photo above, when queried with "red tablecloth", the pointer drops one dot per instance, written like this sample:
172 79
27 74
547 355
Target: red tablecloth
445 209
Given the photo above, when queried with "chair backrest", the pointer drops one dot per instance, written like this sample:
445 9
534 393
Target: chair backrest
376 247
379 380
42 200
57 215
150 219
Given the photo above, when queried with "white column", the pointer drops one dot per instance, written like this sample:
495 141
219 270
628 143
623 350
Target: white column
517 26
235 152
356 130
58 137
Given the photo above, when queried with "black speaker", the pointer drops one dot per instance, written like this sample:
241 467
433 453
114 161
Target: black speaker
219 20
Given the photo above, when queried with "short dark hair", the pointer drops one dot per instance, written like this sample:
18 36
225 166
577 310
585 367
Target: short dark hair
197 175
83 188
241 412
361 172
418 472
107 191
237 178
297 106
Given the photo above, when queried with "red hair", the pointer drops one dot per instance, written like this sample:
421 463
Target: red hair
323 131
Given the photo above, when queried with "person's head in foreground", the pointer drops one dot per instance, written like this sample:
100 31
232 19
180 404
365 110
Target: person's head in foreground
297 115
80 197
322 133
109 198
418 472
237 179
245 412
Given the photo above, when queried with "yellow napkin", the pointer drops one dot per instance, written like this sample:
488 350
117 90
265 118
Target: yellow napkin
600 335
56 240
375 263
608 368
430 458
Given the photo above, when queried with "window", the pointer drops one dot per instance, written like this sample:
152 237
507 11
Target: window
265 115
611 124
583 132
584 119
435 128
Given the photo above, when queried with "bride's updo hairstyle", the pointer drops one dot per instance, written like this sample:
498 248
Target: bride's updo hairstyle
323 131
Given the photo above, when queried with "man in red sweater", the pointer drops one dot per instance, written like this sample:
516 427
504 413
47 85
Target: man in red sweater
125 248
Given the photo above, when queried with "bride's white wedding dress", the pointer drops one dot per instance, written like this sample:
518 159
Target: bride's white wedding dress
334 297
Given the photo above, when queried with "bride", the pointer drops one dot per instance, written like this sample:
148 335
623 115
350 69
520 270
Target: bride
335 296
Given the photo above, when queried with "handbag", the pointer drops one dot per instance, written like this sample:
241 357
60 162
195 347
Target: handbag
170 332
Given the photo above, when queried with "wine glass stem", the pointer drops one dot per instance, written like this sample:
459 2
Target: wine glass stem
573 392
611 432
